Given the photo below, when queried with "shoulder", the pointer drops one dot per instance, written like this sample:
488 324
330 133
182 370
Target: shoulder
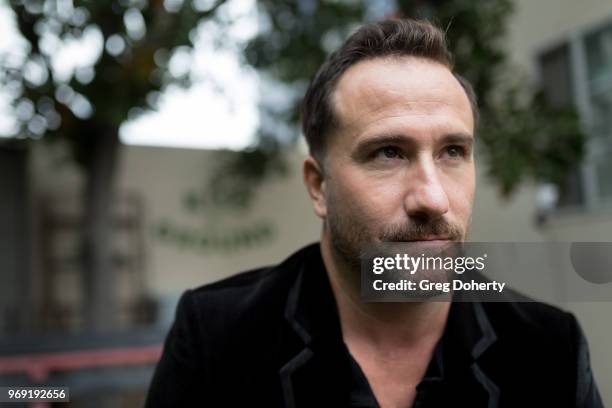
248 287
532 334
542 345
536 329
529 314
245 299
512 314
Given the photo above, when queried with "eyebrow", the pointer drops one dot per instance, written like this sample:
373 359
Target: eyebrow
463 138
374 142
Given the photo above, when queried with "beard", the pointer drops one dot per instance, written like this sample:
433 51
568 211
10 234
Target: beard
348 233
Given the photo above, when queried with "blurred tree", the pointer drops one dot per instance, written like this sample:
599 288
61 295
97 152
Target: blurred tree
520 134
136 39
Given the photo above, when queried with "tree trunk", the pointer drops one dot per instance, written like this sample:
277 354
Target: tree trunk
101 305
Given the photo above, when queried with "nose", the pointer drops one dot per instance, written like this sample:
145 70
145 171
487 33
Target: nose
426 198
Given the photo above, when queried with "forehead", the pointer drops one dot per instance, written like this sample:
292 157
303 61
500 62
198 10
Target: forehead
413 92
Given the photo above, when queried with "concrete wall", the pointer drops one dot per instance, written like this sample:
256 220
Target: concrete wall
163 176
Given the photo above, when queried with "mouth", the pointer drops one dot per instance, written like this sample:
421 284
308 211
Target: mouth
429 245
433 238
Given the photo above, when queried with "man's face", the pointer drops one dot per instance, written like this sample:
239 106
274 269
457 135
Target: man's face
399 166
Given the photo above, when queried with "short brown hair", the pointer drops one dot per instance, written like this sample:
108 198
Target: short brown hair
396 37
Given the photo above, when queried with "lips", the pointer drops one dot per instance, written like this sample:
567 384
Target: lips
429 245
430 238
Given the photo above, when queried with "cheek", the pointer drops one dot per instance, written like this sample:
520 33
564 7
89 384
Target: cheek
461 196
368 199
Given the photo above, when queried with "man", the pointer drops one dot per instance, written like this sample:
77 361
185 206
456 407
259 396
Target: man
391 134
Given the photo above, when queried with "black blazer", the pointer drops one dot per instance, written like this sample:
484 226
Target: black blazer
271 338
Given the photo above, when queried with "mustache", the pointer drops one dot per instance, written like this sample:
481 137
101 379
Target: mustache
413 231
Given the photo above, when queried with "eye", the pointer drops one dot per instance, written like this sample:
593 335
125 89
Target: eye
388 152
455 152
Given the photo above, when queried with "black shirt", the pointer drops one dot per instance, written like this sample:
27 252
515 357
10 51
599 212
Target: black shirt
362 396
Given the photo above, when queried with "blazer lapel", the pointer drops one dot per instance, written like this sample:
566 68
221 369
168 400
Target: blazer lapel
318 371
468 336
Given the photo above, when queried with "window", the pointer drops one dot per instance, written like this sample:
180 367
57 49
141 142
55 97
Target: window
598 47
579 73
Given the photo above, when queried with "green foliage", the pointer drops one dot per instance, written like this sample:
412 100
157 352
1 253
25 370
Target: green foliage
537 141
120 84
298 37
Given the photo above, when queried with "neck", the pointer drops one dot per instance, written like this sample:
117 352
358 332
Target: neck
402 324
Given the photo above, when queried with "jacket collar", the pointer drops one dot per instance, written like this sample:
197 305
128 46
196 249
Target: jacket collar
319 365
311 306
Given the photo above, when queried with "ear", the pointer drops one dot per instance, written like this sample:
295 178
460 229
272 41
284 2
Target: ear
314 179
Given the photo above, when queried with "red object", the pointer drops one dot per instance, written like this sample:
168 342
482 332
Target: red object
38 366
